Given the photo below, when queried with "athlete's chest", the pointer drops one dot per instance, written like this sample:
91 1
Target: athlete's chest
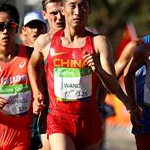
13 71
69 56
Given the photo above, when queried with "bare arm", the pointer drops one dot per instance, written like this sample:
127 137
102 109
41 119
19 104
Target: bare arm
34 73
121 63
33 70
101 93
125 57
140 58
105 68
129 78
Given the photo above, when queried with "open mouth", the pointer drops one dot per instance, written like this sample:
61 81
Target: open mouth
5 38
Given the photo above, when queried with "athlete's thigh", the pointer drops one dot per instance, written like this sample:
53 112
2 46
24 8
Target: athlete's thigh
59 141
45 142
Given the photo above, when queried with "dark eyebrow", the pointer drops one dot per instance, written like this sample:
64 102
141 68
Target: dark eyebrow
70 3
83 2
54 12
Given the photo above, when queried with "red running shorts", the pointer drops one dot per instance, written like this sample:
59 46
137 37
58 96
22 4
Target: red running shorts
12 138
83 129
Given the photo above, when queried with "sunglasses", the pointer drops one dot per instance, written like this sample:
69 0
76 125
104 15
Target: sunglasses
9 26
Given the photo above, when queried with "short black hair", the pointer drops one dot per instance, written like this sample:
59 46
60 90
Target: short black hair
89 1
11 10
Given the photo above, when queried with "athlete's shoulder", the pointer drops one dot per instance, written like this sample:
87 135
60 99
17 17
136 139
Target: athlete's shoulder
100 40
43 38
42 41
100 37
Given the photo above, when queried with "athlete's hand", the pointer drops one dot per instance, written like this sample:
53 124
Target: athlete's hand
2 102
38 105
91 60
136 116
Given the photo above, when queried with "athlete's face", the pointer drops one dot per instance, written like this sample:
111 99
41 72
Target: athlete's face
8 29
32 30
76 12
53 14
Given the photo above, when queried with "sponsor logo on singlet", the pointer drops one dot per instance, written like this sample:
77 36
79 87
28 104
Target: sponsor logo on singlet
13 79
53 53
22 64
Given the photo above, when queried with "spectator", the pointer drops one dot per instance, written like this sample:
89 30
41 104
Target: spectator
33 25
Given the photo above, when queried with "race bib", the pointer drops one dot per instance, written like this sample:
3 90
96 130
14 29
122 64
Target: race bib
18 97
72 84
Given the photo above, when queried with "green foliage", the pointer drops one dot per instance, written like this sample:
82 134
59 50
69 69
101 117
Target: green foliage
110 16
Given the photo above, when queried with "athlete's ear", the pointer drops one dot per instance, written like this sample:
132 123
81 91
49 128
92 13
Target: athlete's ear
23 29
44 14
62 10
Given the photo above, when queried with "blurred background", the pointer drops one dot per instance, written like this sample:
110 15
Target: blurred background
121 21
114 18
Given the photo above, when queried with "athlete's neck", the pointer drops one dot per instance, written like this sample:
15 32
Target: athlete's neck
72 34
7 53
52 32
